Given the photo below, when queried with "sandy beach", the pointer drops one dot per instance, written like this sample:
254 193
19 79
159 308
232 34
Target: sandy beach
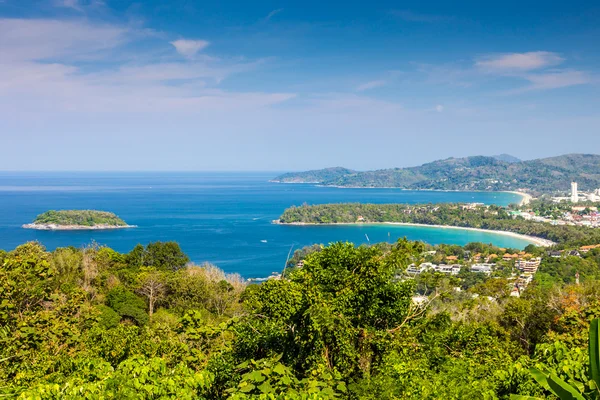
532 239
525 197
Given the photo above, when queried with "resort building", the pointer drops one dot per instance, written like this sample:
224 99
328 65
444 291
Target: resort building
528 266
483 268
585 249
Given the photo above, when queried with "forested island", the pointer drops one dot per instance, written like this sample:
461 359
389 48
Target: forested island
499 173
491 217
77 220
349 323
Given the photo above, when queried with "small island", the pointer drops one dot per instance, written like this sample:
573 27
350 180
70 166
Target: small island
77 220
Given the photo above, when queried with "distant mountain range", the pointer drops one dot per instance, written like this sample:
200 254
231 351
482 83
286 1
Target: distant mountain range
495 173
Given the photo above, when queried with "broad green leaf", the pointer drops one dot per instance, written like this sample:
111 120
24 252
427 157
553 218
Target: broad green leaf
540 378
279 369
594 349
563 390
266 388
247 388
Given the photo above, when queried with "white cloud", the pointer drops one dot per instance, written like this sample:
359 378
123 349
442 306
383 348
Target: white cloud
74 4
411 16
439 108
41 39
557 79
41 73
189 48
518 61
370 85
273 13
79 5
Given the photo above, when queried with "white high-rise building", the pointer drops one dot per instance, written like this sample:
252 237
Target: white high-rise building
574 195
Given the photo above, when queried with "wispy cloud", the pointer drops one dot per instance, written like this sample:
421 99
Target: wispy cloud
370 85
439 108
272 14
556 80
529 71
74 4
412 16
41 71
78 5
519 61
535 67
39 39
189 48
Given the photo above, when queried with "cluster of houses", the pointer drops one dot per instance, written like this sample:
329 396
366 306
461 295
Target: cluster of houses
577 216
525 263
574 252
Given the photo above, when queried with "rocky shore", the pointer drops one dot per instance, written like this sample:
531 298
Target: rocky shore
56 227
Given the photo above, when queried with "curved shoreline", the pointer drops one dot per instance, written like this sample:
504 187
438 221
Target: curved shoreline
55 227
532 239
525 197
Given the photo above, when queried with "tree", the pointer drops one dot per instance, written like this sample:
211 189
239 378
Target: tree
153 287
160 255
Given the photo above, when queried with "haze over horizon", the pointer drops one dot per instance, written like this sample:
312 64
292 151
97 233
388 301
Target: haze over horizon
287 86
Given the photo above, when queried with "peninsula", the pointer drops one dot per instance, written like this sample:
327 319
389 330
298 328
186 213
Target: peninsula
445 215
478 173
77 220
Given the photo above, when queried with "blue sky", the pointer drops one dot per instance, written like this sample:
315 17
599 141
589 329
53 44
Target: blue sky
276 85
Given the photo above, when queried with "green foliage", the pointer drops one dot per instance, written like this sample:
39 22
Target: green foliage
75 323
160 255
79 218
108 317
128 305
483 217
137 377
270 379
578 385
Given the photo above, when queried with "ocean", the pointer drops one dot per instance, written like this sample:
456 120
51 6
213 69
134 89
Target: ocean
222 218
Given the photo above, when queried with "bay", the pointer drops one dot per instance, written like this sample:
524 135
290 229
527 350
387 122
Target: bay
222 218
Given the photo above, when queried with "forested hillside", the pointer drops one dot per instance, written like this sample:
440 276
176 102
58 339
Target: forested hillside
94 323
471 173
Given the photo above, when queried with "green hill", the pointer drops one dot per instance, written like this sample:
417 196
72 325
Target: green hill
78 218
471 173
315 176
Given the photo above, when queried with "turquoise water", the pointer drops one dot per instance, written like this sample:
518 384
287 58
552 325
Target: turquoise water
223 218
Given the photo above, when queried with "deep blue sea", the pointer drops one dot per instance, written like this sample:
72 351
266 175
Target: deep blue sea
223 218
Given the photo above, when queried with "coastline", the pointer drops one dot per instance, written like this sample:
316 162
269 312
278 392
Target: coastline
525 197
55 227
533 239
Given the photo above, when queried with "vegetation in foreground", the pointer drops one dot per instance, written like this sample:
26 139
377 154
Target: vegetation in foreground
94 323
78 218
462 215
